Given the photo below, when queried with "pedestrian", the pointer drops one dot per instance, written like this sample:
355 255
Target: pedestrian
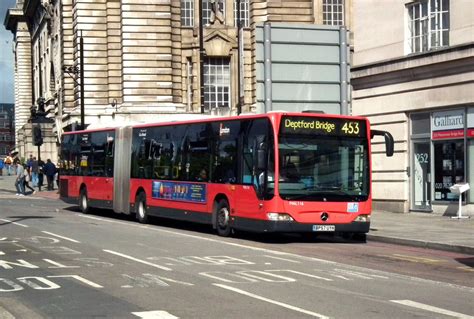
2 165
29 161
50 170
26 182
40 174
34 172
8 164
20 178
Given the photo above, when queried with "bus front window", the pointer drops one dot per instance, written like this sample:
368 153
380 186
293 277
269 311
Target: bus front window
323 168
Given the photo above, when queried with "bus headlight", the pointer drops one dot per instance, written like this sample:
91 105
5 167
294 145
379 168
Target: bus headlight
280 217
362 218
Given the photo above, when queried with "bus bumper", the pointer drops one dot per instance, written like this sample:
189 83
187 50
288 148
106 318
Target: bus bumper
294 227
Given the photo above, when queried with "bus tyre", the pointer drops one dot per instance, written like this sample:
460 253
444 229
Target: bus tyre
140 208
83 201
223 218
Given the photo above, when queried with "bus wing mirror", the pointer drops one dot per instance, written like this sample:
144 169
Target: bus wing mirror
388 140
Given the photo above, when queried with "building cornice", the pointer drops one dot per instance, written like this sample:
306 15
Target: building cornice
13 16
443 62
415 57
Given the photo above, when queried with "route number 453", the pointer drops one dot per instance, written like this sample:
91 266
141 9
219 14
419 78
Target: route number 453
351 128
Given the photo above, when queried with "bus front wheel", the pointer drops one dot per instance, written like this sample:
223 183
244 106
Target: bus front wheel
83 201
140 208
358 237
223 218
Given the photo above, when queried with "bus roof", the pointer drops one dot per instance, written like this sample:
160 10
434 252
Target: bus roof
185 118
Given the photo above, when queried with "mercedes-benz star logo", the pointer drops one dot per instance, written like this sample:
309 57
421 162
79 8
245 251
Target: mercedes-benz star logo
324 216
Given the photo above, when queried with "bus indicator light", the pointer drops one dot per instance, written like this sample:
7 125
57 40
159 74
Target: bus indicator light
362 218
280 217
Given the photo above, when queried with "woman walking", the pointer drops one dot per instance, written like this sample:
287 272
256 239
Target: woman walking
27 180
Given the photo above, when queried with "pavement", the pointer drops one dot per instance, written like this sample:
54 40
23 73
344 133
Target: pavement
428 230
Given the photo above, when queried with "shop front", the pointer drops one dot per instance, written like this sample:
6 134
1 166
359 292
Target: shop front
442 154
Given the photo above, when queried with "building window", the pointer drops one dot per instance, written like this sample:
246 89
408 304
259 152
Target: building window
189 79
187 13
244 13
216 83
333 12
470 153
428 25
470 166
208 14
4 150
449 168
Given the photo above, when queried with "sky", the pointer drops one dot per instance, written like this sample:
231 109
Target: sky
6 56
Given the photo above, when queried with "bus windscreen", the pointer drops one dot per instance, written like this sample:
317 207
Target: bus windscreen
323 159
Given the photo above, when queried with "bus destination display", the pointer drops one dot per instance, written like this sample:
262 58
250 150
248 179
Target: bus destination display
323 126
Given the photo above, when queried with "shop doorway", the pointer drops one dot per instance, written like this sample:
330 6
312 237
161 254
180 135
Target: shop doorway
421 176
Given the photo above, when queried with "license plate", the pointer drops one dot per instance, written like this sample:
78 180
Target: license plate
324 228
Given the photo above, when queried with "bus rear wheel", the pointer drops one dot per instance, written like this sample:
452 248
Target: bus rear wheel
83 201
140 208
223 218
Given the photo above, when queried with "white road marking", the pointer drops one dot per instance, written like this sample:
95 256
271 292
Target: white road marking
284 259
259 275
156 314
279 253
58 265
220 241
422 306
227 277
281 304
79 278
15 223
62 237
300 273
137 260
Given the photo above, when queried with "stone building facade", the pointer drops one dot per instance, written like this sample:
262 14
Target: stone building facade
142 58
413 75
7 130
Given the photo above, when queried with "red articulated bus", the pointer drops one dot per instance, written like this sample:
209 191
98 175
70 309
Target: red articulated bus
274 172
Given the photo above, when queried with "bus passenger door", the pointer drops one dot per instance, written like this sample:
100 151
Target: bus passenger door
247 203
249 196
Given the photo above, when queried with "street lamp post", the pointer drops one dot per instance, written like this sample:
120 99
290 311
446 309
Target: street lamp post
73 71
201 57
239 57
81 75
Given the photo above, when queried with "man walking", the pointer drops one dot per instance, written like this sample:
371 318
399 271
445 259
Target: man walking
20 178
8 163
50 170
34 172
29 161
